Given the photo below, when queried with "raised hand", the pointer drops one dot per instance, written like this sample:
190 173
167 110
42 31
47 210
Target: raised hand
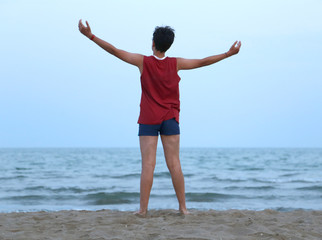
85 30
234 49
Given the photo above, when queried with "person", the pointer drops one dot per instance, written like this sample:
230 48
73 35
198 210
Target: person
160 105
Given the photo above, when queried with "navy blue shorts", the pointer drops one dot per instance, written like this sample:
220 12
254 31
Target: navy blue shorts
167 127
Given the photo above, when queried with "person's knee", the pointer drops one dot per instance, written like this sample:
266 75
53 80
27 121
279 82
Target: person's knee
148 166
174 167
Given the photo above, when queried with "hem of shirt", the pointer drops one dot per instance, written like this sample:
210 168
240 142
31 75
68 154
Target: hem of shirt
175 118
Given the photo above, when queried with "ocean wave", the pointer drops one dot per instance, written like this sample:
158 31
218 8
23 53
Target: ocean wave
36 199
280 180
288 175
133 175
64 189
317 188
210 197
22 169
228 179
123 176
58 190
250 188
105 198
18 177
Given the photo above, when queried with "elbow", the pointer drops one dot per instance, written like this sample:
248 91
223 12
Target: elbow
204 62
113 51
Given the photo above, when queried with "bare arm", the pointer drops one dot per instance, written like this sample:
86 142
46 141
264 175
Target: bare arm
185 64
131 58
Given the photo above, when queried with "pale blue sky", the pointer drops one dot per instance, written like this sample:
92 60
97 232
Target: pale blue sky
58 89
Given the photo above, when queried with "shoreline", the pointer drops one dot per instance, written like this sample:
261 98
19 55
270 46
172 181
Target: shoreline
162 224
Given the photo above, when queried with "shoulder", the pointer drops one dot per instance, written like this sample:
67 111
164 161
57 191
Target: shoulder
172 59
148 58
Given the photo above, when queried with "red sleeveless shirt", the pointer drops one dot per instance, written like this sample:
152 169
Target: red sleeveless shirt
160 90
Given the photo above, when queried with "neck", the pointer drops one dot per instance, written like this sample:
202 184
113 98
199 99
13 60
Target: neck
158 54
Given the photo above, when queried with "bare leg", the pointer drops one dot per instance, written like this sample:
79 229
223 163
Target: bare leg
148 146
171 146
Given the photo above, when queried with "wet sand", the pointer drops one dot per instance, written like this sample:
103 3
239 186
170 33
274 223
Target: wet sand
162 224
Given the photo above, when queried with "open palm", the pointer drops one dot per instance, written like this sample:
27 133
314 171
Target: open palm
234 49
85 30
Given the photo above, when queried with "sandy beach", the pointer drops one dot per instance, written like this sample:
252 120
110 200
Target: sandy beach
162 224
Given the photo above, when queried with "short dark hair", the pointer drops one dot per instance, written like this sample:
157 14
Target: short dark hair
163 38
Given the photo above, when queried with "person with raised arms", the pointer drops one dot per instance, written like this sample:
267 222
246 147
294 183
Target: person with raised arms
160 105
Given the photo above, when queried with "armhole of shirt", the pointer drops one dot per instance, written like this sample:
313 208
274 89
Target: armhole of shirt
143 65
177 71
176 60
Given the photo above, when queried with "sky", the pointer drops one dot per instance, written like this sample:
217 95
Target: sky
59 89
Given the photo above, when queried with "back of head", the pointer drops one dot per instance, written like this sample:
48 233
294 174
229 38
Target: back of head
163 38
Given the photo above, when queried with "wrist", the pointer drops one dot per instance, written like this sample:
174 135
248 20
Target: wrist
91 37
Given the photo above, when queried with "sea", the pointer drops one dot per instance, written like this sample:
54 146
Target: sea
53 179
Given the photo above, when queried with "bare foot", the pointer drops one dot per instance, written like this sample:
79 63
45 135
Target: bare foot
184 211
140 213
